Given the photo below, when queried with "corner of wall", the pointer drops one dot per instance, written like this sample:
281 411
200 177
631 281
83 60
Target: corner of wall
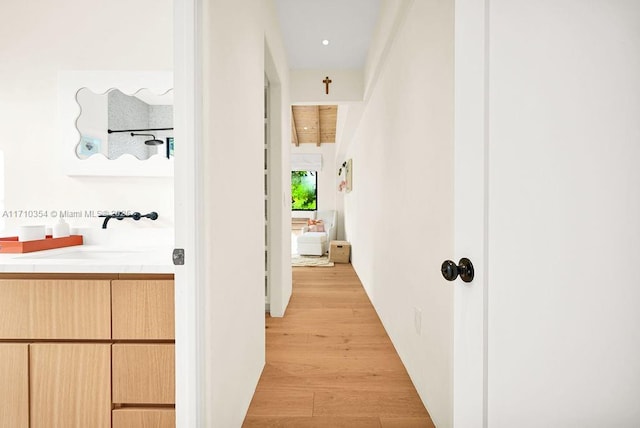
277 71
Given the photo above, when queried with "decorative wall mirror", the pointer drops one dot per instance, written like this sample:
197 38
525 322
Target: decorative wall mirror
99 112
114 123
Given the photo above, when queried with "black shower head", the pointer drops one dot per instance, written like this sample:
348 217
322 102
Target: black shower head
152 142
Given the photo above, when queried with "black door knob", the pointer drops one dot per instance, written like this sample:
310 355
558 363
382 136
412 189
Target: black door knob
464 268
449 270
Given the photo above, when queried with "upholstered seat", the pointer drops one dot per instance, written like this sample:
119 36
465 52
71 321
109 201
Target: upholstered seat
317 243
312 243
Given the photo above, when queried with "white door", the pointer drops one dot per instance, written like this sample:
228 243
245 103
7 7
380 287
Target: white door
548 133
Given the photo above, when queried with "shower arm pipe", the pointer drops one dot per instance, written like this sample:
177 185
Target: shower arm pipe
111 131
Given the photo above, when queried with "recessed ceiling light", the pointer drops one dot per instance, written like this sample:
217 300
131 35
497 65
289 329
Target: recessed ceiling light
325 42
305 128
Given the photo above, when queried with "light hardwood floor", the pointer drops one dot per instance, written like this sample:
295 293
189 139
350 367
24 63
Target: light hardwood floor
330 362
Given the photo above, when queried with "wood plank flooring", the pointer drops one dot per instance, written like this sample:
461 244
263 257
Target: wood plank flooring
330 362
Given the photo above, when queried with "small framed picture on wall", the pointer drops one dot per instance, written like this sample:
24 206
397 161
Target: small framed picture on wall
345 173
348 176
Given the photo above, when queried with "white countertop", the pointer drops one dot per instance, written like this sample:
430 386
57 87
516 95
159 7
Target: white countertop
90 259
96 256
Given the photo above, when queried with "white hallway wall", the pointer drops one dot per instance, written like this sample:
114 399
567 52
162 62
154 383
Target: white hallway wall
36 43
277 70
399 216
233 184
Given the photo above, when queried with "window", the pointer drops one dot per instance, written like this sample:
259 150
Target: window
304 190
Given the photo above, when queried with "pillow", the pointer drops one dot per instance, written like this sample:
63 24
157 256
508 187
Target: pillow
315 225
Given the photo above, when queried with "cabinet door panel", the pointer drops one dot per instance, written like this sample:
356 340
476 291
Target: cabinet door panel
14 385
143 374
144 418
55 309
70 385
143 310
14 309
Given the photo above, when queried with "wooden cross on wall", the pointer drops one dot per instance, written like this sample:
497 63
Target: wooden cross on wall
326 82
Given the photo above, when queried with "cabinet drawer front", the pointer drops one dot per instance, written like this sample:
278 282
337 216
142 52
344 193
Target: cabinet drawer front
143 374
14 385
55 309
70 385
143 310
144 418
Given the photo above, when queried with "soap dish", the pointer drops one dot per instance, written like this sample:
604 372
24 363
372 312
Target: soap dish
12 245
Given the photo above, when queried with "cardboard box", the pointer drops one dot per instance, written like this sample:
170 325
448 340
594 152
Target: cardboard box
339 251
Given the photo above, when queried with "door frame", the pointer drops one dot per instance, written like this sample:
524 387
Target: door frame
471 215
189 221
471 211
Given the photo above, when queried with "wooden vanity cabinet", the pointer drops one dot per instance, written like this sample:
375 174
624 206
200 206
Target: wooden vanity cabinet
95 350
14 385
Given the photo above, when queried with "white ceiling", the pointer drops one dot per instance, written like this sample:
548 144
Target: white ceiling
347 24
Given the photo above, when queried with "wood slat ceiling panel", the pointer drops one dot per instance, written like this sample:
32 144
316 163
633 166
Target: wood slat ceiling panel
313 124
328 118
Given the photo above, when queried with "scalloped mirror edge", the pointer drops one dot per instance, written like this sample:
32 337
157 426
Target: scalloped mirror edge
101 82
114 123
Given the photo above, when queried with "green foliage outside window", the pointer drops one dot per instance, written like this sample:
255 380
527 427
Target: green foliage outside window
304 190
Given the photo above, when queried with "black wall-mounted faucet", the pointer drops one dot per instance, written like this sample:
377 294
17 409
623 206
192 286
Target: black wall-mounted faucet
121 215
